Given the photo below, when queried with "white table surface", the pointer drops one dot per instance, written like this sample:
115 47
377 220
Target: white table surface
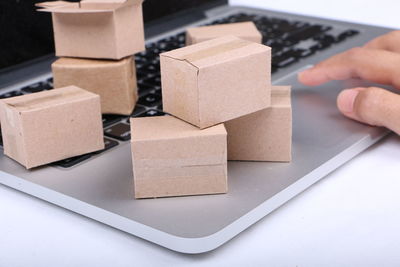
350 218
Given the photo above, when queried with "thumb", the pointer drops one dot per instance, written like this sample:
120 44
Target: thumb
373 105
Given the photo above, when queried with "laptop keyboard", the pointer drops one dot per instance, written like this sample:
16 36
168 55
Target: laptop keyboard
291 40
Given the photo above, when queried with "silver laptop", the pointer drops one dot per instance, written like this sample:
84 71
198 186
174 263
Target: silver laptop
100 185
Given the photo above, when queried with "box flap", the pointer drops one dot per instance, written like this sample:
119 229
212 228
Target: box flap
167 127
47 98
55 4
214 31
85 6
204 53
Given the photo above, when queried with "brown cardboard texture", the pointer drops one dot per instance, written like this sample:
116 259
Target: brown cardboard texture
215 81
51 125
265 135
173 158
110 29
114 81
243 30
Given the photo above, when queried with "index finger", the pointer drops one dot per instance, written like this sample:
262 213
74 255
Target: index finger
373 65
389 42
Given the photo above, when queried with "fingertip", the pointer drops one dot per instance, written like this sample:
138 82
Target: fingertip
346 100
310 77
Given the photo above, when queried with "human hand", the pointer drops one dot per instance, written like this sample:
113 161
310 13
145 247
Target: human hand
377 61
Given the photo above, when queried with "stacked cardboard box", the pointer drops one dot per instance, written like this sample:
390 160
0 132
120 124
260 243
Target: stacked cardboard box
226 80
96 40
53 125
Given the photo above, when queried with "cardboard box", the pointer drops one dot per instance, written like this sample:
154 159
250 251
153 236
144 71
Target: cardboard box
242 30
51 125
265 135
173 158
110 29
215 81
114 81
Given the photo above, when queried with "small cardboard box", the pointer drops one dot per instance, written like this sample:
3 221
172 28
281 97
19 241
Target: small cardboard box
173 158
51 125
265 135
114 81
110 29
215 81
242 30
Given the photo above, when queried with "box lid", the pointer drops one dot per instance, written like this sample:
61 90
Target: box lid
216 51
214 31
169 127
46 99
85 6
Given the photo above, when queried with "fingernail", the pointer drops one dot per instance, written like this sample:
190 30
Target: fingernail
346 100
304 73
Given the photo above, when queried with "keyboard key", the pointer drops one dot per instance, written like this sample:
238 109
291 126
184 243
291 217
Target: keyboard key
156 81
283 60
305 33
68 163
37 87
120 131
108 144
149 100
152 113
145 88
138 110
303 52
342 36
111 119
11 94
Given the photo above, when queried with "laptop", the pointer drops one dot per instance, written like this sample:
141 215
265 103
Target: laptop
100 185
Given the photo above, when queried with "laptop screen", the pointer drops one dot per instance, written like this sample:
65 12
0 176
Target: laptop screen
27 34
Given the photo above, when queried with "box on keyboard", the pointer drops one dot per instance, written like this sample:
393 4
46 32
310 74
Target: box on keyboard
243 30
215 81
173 158
265 135
110 29
51 125
114 81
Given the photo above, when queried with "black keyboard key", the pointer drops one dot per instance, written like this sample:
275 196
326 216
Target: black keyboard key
145 88
303 52
68 163
111 119
342 36
150 68
11 94
37 87
152 113
283 60
108 144
149 100
156 81
138 110
305 33
120 131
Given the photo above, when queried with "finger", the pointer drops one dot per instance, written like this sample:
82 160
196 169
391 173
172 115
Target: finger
389 42
374 65
374 106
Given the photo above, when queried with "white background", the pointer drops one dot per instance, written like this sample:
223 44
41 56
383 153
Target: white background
350 218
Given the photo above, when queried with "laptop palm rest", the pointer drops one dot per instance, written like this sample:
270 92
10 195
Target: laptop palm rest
322 140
